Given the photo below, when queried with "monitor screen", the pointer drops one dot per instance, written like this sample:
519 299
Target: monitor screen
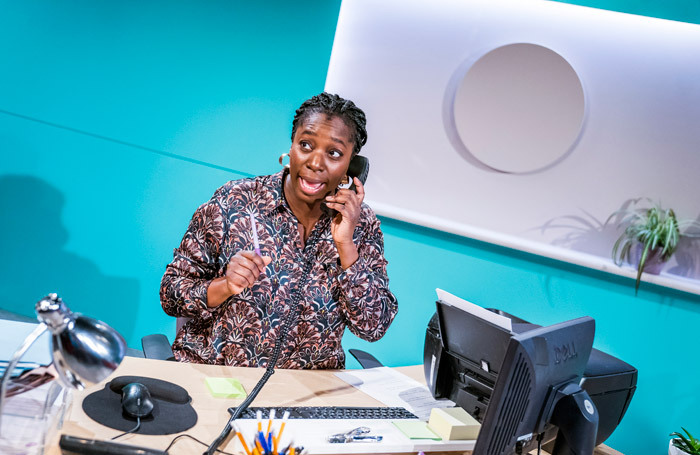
537 390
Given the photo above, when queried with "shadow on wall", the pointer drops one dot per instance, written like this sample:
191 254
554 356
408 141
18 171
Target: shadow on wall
584 233
34 261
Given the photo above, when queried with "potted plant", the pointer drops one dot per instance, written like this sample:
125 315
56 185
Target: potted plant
683 444
653 230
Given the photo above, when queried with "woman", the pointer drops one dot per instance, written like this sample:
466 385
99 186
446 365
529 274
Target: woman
240 302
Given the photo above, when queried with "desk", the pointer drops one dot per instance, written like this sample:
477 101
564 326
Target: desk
285 388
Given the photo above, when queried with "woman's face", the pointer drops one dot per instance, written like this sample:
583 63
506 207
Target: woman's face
319 158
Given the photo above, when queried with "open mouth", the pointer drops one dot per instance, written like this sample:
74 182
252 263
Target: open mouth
310 187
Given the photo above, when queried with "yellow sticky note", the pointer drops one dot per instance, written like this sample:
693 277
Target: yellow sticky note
225 388
453 423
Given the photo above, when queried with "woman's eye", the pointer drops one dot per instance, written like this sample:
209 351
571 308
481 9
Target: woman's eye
335 153
305 145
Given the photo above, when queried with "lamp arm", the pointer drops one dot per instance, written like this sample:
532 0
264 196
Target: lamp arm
38 331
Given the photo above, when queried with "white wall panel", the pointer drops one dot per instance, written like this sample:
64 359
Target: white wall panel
401 61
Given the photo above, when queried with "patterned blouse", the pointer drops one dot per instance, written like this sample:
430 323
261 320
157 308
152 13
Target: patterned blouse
242 330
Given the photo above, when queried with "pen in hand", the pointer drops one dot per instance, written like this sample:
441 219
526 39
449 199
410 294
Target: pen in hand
254 228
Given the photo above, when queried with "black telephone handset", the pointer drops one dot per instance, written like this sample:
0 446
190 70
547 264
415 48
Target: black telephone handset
359 167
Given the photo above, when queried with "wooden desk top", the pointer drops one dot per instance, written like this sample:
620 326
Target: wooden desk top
284 388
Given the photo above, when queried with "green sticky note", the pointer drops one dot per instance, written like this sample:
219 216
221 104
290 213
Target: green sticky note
416 429
225 388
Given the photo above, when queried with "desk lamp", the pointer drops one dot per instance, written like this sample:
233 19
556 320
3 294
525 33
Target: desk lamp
85 350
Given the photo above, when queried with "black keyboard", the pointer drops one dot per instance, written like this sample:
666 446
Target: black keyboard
330 412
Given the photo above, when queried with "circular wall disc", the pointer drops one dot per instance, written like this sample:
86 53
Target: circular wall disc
519 108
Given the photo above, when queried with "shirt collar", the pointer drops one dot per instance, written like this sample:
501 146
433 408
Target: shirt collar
276 195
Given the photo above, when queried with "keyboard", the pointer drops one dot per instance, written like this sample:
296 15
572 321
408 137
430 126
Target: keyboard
330 412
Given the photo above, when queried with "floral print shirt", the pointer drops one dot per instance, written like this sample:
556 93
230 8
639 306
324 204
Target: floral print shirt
242 331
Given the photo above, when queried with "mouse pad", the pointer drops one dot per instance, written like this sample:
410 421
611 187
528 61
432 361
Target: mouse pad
172 411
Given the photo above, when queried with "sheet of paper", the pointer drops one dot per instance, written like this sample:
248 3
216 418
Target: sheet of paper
313 435
394 389
476 310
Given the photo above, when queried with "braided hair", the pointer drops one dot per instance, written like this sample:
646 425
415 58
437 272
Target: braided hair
335 106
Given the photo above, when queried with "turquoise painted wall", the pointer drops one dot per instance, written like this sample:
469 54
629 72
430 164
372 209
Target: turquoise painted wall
676 10
117 119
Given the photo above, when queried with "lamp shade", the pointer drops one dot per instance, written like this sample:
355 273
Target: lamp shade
85 350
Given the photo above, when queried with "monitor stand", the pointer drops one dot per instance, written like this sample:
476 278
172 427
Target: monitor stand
577 418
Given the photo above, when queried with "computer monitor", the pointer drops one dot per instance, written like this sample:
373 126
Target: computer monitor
465 354
538 389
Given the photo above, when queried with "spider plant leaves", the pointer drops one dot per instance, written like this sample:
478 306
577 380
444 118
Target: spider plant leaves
642 262
687 444
654 228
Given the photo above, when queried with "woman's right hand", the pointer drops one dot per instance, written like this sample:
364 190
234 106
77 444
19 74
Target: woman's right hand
243 270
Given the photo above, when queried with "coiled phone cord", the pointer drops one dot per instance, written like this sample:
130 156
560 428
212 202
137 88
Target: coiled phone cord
286 322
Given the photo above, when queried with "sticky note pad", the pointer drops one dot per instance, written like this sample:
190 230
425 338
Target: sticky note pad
225 388
415 429
453 423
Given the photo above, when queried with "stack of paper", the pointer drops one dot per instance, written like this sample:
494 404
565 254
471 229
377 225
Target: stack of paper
395 389
453 424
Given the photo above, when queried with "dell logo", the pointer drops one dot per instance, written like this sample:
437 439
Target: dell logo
564 352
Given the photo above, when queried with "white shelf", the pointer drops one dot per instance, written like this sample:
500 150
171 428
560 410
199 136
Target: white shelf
562 254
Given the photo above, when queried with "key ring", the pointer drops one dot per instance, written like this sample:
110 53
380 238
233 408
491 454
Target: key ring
358 434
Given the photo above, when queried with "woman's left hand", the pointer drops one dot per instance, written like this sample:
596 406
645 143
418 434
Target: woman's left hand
348 204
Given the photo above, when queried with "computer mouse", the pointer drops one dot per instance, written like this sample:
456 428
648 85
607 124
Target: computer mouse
136 400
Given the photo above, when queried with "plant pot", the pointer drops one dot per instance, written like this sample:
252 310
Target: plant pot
673 450
654 263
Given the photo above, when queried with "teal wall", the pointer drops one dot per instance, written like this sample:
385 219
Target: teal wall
117 119
171 94
676 10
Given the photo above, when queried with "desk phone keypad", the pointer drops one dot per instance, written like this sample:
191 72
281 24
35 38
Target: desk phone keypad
330 412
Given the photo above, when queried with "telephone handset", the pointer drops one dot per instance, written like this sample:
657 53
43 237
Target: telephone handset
359 167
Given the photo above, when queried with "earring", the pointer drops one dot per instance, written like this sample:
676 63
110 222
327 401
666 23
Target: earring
344 182
281 160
